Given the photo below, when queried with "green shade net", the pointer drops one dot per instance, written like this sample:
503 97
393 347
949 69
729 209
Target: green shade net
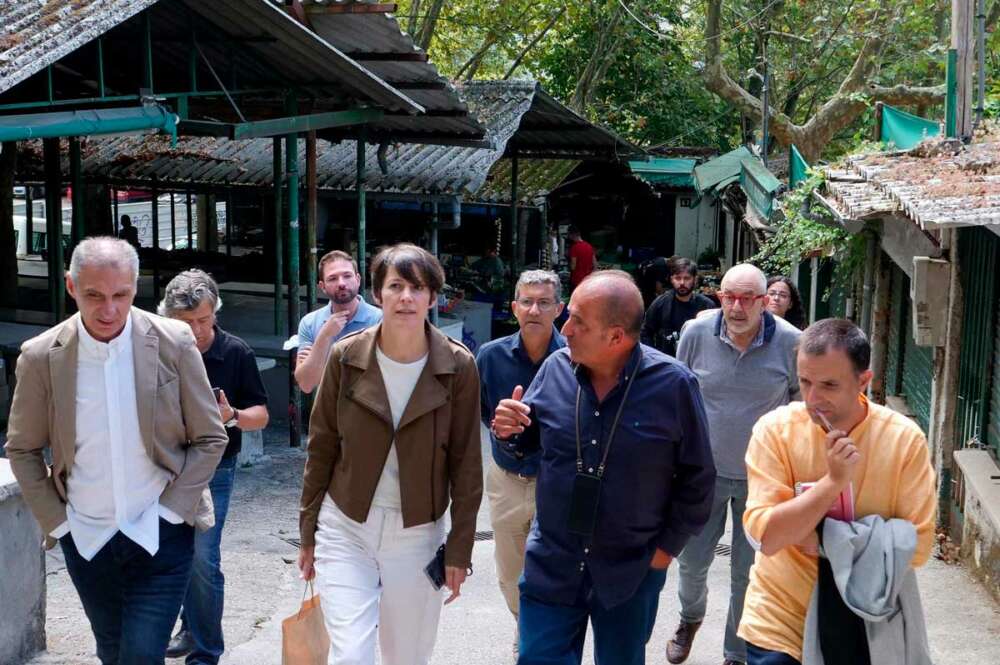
760 186
715 174
798 168
905 130
663 171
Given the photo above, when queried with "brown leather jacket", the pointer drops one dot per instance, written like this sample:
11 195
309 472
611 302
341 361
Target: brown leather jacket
437 441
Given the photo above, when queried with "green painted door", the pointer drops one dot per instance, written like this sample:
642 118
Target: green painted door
978 256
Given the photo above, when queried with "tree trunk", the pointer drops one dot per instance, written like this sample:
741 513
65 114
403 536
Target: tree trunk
604 52
837 113
429 24
8 239
412 21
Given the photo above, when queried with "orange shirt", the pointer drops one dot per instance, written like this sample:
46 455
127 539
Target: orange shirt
894 479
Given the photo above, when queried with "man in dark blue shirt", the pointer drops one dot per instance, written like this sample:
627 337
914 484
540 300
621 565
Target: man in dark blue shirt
625 479
193 297
503 364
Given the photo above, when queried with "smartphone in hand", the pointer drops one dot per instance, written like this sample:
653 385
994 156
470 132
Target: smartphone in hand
216 394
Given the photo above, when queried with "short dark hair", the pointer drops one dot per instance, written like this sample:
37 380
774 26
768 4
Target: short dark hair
126 220
680 265
572 230
335 255
841 334
414 264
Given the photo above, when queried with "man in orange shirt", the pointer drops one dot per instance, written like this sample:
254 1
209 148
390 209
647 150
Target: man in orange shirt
838 440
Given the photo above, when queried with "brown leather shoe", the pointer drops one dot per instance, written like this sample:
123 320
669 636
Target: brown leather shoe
679 646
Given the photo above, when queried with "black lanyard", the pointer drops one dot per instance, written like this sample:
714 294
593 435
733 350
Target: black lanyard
614 426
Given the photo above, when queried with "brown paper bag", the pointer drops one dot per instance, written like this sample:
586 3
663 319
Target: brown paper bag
304 640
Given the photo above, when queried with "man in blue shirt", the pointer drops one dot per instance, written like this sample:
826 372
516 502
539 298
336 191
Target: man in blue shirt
503 364
625 479
347 313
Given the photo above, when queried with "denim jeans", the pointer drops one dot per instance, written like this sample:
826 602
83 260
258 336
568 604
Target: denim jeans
554 634
698 554
202 613
130 597
758 656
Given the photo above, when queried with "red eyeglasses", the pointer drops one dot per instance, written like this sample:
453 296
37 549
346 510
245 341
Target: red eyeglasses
729 299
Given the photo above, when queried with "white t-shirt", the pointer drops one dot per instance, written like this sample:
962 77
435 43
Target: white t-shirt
399 379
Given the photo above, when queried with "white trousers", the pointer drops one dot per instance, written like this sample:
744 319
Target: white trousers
371 576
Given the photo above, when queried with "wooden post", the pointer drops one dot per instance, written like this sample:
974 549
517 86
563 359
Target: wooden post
312 208
879 337
279 267
962 12
879 108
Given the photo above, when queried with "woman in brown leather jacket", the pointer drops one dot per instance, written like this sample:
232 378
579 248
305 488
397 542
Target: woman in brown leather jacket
394 434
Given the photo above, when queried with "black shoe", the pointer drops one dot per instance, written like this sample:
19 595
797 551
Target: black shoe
180 645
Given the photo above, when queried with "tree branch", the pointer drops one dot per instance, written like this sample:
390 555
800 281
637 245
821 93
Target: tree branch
538 38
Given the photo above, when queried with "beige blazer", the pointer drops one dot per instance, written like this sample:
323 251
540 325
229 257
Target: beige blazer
179 419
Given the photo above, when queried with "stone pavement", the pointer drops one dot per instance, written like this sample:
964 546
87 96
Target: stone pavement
263 587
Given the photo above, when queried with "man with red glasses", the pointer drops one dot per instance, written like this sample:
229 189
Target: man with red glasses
744 358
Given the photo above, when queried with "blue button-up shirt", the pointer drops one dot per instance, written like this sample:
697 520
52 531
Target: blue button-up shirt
657 487
504 364
365 316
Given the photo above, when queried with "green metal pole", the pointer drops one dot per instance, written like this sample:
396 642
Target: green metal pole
100 66
294 395
279 268
951 98
312 212
434 249
362 222
190 221
114 205
147 52
230 211
53 227
544 257
155 217
76 184
49 83
29 218
173 223
513 220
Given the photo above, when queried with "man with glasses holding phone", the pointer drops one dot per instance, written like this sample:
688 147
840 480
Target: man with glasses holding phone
503 364
744 358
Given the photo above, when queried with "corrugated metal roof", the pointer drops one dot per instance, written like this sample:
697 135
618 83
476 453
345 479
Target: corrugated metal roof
934 185
37 34
402 65
411 168
535 177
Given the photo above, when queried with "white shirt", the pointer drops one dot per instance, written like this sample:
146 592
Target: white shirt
113 485
400 380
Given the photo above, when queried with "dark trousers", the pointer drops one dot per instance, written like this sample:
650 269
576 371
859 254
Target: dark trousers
202 614
554 634
758 656
130 597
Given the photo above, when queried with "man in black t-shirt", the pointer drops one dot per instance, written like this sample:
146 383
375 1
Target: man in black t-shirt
669 312
193 297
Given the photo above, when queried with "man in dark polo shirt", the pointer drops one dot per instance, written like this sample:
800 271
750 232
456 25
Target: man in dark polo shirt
193 297
503 364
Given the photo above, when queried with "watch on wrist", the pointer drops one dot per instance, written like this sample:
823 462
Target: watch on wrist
234 421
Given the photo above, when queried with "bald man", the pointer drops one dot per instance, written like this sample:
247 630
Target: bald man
744 358
625 479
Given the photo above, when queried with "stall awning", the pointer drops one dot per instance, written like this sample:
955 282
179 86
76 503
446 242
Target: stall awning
715 174
87 123
671 172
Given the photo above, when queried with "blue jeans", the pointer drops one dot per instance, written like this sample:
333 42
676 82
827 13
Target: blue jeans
130 597
202 613
698 554
758 656
554 634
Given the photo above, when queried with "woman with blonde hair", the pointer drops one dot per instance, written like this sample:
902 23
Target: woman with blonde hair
393 439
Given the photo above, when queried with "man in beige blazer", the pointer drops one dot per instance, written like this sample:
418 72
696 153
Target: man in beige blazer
121 398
